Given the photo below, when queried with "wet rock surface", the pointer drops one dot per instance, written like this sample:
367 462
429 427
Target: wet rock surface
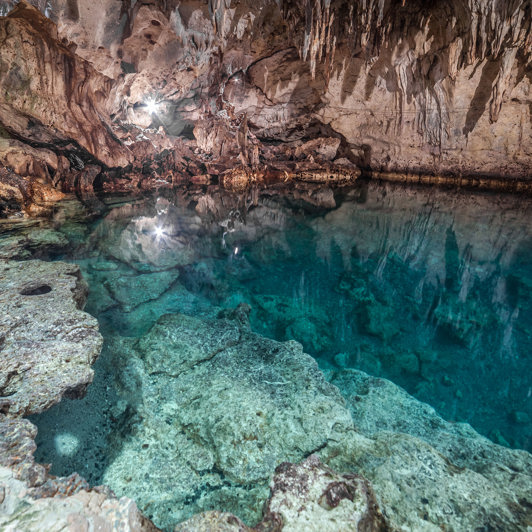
222 407
47 348
307 496
83 510
36 241
427 469
48 344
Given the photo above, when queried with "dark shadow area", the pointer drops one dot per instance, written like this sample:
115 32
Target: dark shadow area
482 95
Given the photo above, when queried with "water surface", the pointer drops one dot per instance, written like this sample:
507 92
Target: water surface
428 288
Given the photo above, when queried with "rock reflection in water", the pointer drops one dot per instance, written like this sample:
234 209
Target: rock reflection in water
427 288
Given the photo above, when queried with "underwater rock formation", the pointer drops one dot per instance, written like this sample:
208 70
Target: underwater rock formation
48 344
35 242
128 95
427 469
214 408
219 406
307 496
206 410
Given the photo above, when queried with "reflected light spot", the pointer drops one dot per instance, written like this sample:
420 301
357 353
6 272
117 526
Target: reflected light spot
159 232
66 444
151 106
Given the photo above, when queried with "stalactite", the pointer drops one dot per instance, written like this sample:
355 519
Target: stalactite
478 30
218 10
502 82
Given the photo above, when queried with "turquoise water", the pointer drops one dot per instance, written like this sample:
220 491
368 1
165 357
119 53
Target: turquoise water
428 288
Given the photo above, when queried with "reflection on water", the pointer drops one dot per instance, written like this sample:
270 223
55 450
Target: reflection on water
430 289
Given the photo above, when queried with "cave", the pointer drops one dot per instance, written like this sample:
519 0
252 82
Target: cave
265 265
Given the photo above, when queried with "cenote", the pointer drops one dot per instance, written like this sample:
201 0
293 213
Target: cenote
266 266
430 289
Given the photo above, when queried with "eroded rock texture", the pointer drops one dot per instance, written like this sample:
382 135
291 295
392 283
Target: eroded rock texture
81 509
47 344
47 347
179 90
214 409
308 496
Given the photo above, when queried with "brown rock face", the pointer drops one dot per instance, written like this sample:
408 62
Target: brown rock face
44 86
399 87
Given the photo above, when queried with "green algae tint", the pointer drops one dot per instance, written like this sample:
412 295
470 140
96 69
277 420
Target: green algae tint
429 289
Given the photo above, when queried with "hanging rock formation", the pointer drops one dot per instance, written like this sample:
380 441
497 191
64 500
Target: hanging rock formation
115 94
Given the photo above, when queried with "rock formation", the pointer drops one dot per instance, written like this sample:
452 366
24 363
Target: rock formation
118 95
32 502
308 496
47 344
214 407
47 348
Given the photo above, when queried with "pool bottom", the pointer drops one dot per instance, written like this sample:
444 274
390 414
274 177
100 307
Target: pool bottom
206 410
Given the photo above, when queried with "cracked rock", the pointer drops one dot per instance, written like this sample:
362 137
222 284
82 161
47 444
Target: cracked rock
47 344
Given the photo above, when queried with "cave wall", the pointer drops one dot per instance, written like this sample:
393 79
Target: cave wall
403 85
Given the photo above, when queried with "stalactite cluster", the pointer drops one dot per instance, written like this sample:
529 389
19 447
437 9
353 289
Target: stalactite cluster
401 85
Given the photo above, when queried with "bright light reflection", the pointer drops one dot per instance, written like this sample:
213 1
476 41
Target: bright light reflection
151 106
159 232
66 444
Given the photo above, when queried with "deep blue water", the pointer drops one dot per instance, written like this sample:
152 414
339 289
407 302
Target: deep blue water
428 288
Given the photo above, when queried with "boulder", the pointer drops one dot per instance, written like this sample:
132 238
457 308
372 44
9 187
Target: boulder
47 344
218 408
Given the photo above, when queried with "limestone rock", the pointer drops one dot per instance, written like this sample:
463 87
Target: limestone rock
324 148
425 469
17 445
40 85
83 510
308 496
33 243
47 343
133 290
350 83
220 406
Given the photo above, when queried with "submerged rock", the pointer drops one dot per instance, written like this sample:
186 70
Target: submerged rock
130 291
307 496
218 408
34 243
425 471
47 344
